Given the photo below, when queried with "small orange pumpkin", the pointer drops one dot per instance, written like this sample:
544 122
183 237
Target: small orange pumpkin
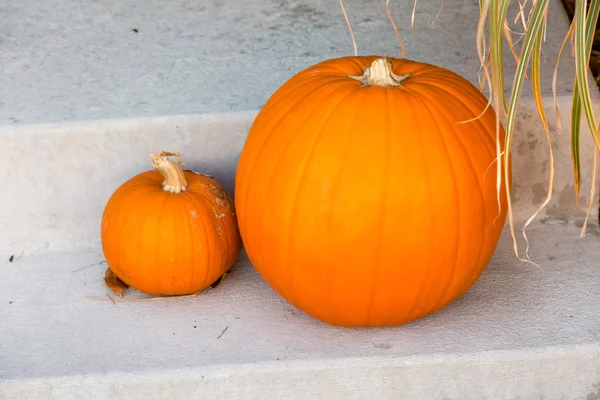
169 231
362 194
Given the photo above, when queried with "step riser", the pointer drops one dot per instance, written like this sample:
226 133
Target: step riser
58 178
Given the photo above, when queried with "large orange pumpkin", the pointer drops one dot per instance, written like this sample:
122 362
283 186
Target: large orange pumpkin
168 231
363 198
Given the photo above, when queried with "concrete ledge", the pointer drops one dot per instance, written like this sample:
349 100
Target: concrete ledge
64 60
520 332
520 375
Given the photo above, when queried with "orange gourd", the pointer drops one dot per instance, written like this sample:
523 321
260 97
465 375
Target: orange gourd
363 197
170 232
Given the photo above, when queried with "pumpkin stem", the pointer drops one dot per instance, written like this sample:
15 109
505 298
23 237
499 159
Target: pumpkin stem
174 179
380 73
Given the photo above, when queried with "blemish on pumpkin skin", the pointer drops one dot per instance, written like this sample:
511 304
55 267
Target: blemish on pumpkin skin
220 202
218 214
222 198
194 214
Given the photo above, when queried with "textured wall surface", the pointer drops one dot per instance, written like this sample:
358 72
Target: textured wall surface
66 60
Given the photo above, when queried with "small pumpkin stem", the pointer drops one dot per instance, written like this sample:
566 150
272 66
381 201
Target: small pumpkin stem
380 73
174 179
